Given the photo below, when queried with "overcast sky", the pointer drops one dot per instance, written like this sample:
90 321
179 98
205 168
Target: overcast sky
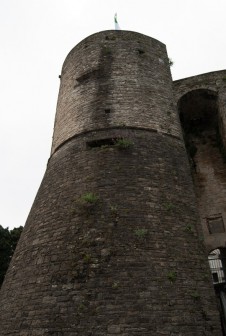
36 36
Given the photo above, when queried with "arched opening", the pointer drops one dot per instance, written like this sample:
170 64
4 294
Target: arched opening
204 137
198 112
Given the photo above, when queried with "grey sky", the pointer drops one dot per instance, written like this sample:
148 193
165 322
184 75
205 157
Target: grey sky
36 36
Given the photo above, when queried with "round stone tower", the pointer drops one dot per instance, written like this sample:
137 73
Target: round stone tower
112 243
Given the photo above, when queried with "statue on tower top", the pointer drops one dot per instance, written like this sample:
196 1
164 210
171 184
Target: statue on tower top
116 22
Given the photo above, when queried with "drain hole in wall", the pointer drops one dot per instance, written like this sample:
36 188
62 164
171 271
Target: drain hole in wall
140 51
107 111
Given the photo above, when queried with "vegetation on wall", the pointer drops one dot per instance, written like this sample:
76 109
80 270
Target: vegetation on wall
89 198
170 62
123 143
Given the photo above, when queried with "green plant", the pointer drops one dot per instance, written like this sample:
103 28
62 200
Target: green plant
115 285
81 308
205 277
8 242
195 295
89 198
141 232
189 228
170 62
224 79
122 125
169 206
172 276
106 50
104 147
113 209
87 258
123 143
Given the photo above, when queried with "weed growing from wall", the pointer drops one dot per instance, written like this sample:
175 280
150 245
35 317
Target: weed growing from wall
189 228
87 258
171 62
169 206
141 232
172 276
106 51
89 198
115 285
195 295
123 143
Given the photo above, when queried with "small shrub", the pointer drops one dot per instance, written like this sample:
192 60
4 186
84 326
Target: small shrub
122 125
172 276
106 50
81 308
115 285
195 295
141 232
170 62
169 206
206 277
113 208
87 258
104 147
89 198
189 228
123 143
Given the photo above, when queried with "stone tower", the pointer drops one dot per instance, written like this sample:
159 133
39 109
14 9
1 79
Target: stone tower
112 243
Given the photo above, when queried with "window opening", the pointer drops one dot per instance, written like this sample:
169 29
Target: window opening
102 142
215 224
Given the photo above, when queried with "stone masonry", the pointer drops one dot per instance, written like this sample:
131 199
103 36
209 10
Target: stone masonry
113 243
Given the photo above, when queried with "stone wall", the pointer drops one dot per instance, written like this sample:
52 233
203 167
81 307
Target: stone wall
130 263
112 243
115 79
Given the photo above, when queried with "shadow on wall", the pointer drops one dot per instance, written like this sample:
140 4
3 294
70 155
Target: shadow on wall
203 135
